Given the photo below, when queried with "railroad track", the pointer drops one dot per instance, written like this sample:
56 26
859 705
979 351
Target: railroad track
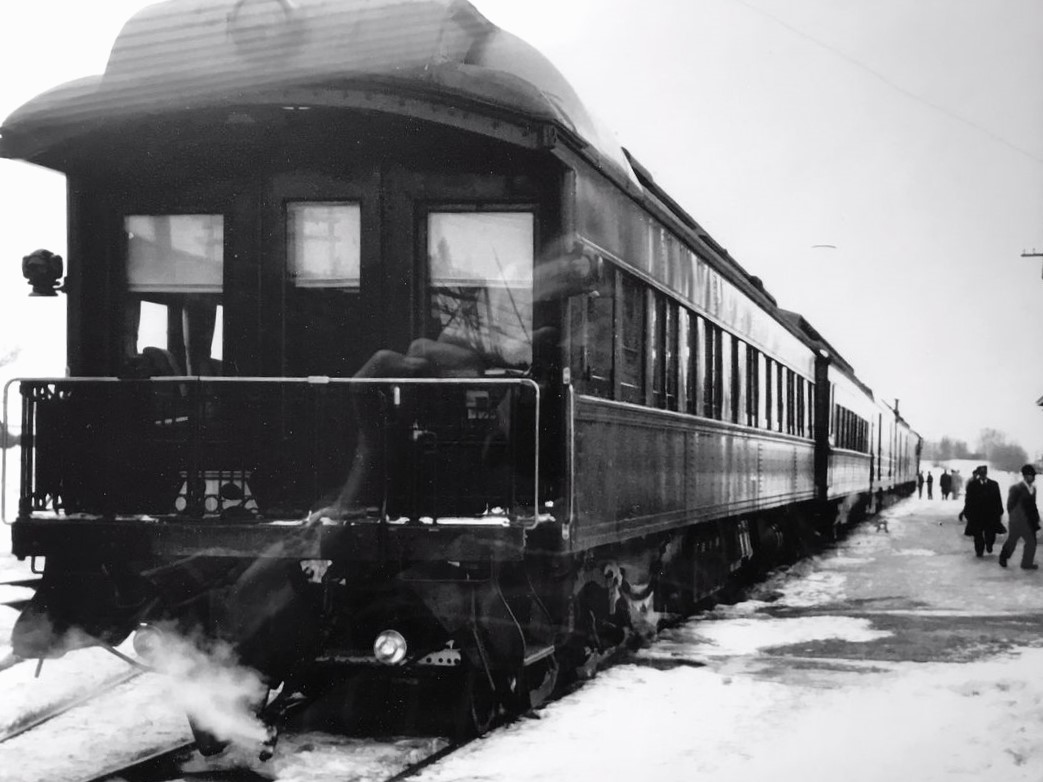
166 764
30 721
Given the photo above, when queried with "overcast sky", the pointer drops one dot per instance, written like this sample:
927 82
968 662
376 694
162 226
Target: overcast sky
907 135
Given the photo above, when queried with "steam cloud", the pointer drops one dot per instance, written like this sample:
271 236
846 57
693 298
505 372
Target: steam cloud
217 693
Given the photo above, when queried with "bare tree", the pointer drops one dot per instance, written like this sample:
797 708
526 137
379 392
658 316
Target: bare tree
1001 453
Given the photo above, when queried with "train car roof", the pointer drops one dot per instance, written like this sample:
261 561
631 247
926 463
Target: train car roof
178 55
815 339
212 53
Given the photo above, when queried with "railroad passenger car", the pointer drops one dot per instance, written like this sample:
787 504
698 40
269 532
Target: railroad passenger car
389 367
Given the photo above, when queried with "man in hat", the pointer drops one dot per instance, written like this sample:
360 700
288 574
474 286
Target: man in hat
982 508
1024 519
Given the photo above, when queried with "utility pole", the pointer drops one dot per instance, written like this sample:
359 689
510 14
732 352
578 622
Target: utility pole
1033 254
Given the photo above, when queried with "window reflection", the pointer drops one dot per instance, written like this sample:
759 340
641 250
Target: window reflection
324 244
175 253
480 283
173 316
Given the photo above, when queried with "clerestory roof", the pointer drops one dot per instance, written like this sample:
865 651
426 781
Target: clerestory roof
184 54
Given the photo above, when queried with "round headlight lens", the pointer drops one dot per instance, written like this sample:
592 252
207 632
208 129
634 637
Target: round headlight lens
390 647
147 642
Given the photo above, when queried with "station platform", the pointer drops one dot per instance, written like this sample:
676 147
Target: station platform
895 654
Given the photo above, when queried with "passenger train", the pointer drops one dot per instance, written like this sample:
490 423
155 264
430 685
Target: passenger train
390 368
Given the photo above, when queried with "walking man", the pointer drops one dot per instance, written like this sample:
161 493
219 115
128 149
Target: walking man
1023 519
930 485
919 485
982 509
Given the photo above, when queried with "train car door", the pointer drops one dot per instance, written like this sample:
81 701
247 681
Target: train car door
322 238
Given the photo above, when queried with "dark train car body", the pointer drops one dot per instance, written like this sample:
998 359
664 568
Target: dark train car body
371 330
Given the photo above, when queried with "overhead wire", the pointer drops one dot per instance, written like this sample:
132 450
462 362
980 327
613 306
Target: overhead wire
891 83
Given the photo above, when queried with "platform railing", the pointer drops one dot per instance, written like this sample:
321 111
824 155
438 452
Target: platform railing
418 449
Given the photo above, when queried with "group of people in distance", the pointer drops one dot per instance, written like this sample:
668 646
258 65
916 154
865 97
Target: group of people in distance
983 510
949 484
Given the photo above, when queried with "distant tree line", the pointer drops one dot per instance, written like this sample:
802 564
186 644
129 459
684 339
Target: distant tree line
992 447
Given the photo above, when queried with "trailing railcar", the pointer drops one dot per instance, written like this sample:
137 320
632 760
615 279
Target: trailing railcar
387 366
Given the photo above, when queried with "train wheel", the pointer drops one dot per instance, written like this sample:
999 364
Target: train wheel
477 706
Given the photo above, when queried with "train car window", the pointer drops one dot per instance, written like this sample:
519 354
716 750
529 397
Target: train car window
811 409
685 356
480 267
632 337
656 349
769 396
697 398
710 376
801 413
740 404
593 326
173 313
723 368
780 398
671 356
324 244
753 378
791 401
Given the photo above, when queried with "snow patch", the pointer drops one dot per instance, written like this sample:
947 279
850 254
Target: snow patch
816 588
745 636
916 552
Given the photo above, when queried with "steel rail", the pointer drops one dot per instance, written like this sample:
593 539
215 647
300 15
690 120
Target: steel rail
35 720
151 766
162 764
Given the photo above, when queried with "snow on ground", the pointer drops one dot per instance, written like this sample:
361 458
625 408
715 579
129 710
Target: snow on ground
134 720
25 695
923 723
751 692
895 655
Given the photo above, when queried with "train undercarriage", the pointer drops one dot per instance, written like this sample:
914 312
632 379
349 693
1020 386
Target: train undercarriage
379 645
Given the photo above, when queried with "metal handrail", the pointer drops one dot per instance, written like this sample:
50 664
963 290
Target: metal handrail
506 380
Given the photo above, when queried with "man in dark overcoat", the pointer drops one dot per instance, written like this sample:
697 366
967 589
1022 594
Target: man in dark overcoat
1023 519
982 509
945 484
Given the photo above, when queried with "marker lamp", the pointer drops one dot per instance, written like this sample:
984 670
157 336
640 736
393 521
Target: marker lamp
390 647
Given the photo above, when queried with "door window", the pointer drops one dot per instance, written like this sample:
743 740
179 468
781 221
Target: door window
324 244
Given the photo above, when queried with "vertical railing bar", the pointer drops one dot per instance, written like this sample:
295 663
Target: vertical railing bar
536 466
316 393
196 500
28 479
3 458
